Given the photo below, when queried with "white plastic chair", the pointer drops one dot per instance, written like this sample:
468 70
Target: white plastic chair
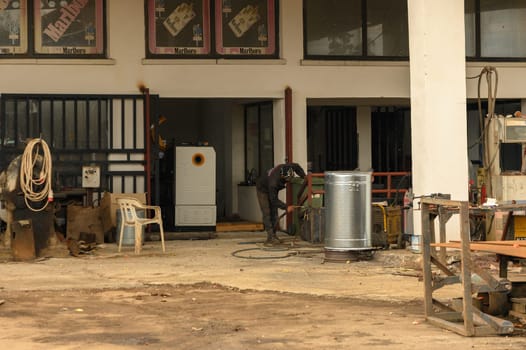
129 217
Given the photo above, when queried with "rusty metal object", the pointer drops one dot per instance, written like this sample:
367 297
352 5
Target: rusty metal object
494 303
343 256
28 232
22 242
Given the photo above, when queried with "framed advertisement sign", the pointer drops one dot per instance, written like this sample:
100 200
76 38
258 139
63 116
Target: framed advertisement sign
246 27
13 27
179 27
69 27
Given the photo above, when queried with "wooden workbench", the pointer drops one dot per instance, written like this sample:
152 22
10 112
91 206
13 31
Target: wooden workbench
463 317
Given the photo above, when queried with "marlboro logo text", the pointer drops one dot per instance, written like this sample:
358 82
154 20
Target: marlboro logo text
68 14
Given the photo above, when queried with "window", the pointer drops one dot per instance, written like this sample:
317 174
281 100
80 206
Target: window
355 29
259 139
211 28
57 29
495 29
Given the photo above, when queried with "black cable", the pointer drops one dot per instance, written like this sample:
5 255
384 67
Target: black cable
293 251
236 254
276 226
396 199
269 249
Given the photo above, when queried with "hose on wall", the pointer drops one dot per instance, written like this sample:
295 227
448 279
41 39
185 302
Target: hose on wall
36 187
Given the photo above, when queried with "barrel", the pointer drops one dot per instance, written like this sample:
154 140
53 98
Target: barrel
348 210
128 236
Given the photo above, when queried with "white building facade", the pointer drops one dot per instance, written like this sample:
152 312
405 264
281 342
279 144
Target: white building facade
430 80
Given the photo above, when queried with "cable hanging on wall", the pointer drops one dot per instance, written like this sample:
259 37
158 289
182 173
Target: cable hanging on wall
489 72
36 187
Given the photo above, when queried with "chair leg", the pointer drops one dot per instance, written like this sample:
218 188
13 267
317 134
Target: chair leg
138 238
162 237
120 236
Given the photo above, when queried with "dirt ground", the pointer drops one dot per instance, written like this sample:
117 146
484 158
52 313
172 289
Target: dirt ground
199 295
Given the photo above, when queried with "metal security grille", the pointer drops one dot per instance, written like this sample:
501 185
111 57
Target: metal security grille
391 140
108 131
341 139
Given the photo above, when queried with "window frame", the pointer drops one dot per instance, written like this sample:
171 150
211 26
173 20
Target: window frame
478 41
31 31
158 51
217 50
364 36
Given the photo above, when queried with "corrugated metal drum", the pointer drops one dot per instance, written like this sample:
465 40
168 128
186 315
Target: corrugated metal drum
348 210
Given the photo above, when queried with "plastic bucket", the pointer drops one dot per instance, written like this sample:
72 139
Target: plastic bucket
416 243
128 236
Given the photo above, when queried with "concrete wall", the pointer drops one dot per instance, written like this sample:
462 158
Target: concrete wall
126 69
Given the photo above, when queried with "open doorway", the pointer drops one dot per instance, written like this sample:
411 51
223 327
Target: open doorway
391 139
361 135
332 138
221 124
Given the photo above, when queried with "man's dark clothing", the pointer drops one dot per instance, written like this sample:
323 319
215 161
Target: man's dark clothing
268 186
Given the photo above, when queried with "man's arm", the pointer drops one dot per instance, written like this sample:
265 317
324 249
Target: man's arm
274 200
298 169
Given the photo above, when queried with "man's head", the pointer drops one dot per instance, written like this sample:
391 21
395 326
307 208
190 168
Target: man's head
286 173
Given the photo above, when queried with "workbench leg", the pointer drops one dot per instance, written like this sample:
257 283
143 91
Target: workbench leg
426 259
443 218
503 266
466 264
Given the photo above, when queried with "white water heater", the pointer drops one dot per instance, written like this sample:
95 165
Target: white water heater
195 187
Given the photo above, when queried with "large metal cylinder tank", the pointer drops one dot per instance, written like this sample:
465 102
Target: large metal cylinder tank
348 210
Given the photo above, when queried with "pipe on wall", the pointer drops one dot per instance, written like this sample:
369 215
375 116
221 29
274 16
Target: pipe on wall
146 92
288 145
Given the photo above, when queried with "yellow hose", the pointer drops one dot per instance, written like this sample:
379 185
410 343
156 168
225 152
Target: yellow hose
384 215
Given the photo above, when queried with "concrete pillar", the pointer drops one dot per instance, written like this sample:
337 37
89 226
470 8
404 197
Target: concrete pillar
438 98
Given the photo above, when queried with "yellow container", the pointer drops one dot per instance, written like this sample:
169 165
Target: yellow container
388 219
519 222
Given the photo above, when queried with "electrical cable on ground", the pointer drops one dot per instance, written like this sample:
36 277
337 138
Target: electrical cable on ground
293 249
237 252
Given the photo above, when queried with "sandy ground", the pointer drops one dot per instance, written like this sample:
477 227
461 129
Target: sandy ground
222 293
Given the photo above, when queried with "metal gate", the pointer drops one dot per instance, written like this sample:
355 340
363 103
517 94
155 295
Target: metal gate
341 138
109 131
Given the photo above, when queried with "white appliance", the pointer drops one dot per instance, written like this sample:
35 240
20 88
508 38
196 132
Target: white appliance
511 130
195 187
506 185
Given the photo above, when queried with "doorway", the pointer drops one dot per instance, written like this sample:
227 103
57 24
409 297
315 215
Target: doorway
216 122
332 138
391 139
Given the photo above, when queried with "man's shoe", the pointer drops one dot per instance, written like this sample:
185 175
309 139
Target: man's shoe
272 241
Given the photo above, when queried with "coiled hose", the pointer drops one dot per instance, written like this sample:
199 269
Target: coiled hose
36 188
